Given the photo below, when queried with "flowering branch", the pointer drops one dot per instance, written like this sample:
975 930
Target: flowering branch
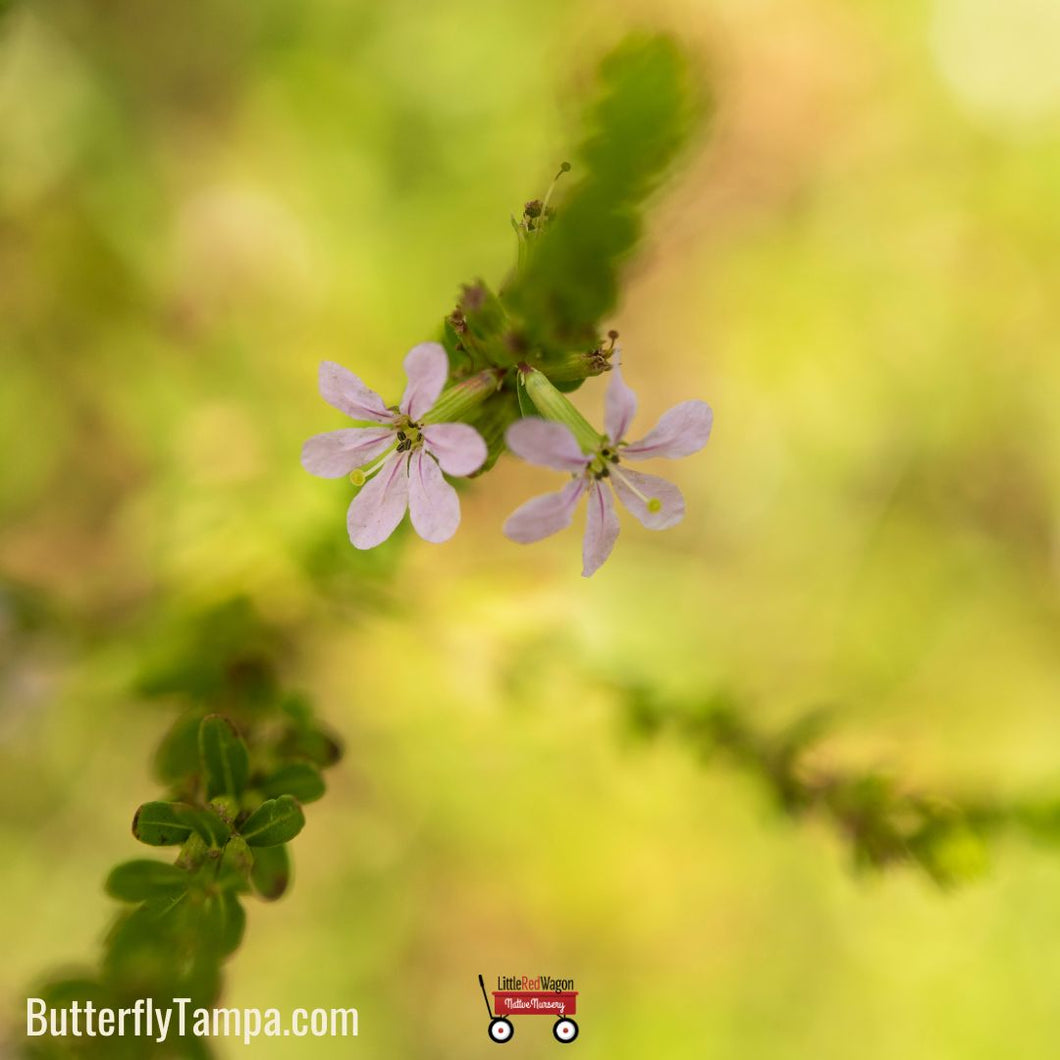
507 359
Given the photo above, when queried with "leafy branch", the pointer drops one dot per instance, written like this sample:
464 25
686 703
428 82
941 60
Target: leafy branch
239 762
883 822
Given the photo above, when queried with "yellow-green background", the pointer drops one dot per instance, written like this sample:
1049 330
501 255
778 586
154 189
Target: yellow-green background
200 201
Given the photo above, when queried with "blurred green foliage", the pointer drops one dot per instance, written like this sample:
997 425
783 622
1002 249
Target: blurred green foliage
198 204
235 795
883 823
644 117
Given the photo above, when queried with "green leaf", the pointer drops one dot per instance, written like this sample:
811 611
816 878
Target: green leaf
951 852
274 821
194 852
59 993
163 948
237 861
222 921
567 386
298 708
162 824
299 779
271 872
143 879
140 946
225 762
177 757
232 919
314 743
207 824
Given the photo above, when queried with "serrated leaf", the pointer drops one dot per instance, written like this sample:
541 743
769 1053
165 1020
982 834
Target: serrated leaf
224 758
143 879
299 779
271 873
274 821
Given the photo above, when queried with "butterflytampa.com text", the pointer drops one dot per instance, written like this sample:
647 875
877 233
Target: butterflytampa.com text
147 1018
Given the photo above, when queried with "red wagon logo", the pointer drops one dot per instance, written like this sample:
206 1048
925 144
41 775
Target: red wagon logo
559 1003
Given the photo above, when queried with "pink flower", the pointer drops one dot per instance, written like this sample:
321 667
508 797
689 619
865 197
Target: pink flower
658 504
409 456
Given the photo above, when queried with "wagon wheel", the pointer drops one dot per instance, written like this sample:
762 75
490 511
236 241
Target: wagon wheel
501 1030
565 1030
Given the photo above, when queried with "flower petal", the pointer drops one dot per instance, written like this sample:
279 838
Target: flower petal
341 389
671 502
427 366
458 447
433 504
621 407
376 511
337 453
544 515
547 443
601 529
681 431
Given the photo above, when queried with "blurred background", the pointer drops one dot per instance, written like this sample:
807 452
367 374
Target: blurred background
858 270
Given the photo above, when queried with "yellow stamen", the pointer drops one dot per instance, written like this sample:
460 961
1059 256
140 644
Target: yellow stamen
360 475
653 503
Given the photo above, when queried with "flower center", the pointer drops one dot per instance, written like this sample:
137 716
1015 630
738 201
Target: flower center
605 465
408 436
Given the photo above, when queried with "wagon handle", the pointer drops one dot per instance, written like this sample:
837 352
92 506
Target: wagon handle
482 986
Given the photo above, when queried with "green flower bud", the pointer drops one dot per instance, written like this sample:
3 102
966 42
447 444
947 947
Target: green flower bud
555 406
463 398
578 365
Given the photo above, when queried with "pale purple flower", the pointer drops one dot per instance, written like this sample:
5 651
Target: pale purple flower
401 457
658 504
